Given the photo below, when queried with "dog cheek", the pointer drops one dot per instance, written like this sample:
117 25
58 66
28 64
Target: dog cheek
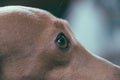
60 58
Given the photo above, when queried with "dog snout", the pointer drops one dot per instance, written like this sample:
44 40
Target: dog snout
85 66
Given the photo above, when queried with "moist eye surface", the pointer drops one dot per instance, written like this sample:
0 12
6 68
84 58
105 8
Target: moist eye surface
61 41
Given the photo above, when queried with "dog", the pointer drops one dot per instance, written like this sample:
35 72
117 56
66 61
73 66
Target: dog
36 45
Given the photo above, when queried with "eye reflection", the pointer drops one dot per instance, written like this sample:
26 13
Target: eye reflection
62 42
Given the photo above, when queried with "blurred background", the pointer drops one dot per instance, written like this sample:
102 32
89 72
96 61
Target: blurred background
95 23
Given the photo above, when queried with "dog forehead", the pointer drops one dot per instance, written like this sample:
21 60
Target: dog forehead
27 17
22 11
29 20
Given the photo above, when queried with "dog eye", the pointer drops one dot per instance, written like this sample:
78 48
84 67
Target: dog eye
62 42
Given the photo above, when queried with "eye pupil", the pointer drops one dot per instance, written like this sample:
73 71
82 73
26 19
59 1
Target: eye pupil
62 41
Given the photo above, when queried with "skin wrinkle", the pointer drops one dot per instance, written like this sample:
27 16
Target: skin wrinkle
28 50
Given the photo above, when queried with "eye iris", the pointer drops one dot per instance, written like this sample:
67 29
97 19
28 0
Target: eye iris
61 41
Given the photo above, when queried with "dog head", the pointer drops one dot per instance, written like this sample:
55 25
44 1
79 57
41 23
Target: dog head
35 45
